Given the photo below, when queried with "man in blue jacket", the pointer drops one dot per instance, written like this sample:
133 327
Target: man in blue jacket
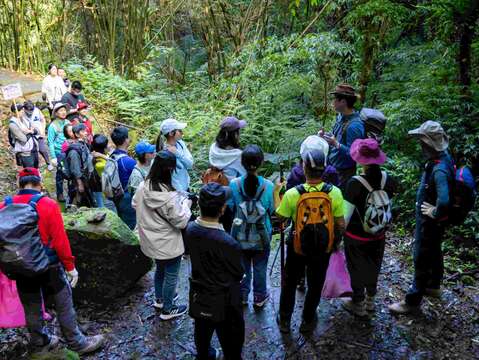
432 206
348 127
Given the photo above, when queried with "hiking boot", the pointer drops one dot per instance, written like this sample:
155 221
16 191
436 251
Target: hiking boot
93 343
54 341
174 312
284 325
307 327
301 285
158 304
355 308
401 308
434 293
259 301
369 303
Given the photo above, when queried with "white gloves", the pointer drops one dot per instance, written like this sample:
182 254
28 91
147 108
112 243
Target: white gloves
54 162
73 277
428 210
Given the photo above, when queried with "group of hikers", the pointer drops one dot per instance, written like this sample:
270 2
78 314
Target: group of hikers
325 201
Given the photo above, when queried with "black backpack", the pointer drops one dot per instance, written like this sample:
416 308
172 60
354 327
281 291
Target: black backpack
22 253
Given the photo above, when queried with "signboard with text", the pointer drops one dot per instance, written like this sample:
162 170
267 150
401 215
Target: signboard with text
12 91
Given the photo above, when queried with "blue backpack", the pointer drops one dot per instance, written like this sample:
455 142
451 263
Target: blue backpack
464 196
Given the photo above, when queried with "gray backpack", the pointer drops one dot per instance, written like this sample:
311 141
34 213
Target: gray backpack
110 178
22 253
248 226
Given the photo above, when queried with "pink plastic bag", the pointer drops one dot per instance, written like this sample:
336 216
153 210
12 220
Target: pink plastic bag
11 309
338 281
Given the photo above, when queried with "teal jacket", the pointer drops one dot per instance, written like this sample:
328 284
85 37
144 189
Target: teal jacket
55 136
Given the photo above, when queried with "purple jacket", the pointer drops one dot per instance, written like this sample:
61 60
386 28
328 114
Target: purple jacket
296 176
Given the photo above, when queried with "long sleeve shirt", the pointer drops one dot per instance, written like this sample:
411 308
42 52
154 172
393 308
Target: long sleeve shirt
54 88
50 226
55 137
346 129
184 162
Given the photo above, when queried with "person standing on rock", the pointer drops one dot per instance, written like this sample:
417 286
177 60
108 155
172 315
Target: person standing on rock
368 209
317 262
432 205
72 98
36 118
78 168
53 87
172 130
348 127
57 281
162 214
21 136
56 138
217 270
126 164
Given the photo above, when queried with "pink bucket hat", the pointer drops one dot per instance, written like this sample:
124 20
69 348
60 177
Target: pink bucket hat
367 152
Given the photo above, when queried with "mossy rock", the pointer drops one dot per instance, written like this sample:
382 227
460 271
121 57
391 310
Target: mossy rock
108 255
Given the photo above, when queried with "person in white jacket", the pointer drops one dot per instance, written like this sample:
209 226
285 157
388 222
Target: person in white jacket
161 214
53 87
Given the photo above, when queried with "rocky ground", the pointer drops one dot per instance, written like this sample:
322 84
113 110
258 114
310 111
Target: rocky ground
446 329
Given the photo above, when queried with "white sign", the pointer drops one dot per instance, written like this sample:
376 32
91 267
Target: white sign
12 91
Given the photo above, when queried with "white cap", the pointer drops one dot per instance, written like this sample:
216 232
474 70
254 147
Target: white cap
170 125
314 142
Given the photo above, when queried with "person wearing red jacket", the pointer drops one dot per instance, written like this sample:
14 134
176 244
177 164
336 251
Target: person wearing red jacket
57 281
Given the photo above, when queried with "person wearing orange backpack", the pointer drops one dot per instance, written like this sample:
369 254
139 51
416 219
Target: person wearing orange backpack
316 234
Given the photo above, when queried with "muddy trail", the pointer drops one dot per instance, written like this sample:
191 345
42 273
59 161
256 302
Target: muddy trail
447 328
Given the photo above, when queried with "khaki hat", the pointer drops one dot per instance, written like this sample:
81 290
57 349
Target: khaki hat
432 134
344 90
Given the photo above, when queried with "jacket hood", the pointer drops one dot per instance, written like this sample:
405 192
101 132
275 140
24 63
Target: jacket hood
158 199
222 158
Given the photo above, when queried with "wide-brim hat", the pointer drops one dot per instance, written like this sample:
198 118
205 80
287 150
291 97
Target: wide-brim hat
367 152
58 106
344 90
432 134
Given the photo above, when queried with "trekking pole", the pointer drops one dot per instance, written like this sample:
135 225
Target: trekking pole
281 229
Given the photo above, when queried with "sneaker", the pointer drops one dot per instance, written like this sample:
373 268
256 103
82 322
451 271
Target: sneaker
54 341
174 312
259 301
93 343
307 327
434 293
369 303
50 167
401 308
158 304
353 307
284 325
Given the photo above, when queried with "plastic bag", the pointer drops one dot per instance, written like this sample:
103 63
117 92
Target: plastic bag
11 309
338 281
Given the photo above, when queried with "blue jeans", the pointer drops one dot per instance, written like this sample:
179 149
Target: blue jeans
166 277
125 210
98 197
259 261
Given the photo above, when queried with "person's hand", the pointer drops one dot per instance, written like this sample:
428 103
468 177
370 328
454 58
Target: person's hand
321 132
278 185
54 162
171 149
331 140
73 277
428 210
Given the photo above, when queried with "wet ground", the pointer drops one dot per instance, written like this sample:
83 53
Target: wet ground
447 328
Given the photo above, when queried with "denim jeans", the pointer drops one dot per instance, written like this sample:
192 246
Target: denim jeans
258 260
125 210
59 178
33 290
166 277
98 197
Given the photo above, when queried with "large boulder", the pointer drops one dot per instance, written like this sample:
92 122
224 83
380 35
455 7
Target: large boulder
108 255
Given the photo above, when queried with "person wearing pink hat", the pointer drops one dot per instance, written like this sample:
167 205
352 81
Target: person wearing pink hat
368 212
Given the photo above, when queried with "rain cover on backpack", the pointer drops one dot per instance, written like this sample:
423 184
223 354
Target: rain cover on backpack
21 250
377 208
110 178
248 226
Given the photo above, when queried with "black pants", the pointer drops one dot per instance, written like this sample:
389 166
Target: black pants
428 259
364 259
28 160
316 268
344 176
230 333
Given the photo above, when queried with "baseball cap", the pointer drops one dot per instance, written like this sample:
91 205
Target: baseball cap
314 159
78 127
143 148
28 105
230 123
82 105
214 194
29 171
170 125
314 142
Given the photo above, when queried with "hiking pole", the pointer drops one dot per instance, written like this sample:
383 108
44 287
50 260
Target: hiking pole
281 229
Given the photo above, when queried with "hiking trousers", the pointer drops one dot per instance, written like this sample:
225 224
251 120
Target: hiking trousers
428 259
364 259
125 210
230 334
316 268
53 283
258 261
